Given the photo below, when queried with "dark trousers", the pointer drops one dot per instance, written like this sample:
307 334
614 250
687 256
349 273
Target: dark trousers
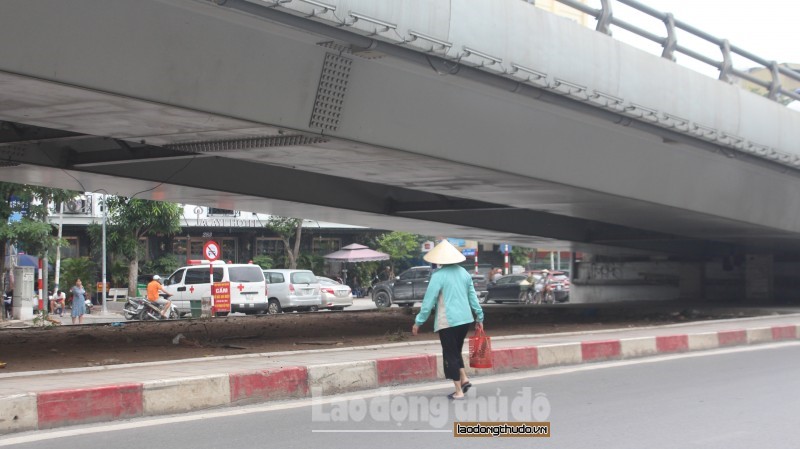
452 339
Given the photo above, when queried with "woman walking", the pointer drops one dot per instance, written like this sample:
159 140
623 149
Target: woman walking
78 302
452 294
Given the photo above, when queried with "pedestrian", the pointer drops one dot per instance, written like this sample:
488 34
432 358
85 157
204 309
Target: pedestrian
58 301
451 294
7 304
78 302
356 287
497 274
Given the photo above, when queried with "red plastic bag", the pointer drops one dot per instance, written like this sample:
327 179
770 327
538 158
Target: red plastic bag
480 350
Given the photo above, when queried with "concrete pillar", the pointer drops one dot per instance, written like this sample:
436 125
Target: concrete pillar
691 282
759 278
22 302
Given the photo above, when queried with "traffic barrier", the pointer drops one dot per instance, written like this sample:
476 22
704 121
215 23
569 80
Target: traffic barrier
600 350
415 368
267 385
638 347
105 403
187 394
88 405
512 359
18 413
342 377
672 343
560 354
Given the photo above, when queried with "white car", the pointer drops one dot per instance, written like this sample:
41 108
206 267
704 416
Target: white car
335 296
188 285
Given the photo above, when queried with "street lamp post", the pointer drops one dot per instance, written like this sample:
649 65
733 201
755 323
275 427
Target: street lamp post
105 213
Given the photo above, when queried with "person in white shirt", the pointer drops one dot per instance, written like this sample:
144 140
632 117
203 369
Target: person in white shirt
58 301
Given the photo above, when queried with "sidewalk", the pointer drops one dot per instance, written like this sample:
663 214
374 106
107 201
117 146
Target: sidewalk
113 313
47 399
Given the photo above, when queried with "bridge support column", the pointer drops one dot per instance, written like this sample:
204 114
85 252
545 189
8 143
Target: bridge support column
691 283
759 278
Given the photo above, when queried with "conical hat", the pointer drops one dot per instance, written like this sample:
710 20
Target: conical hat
444 253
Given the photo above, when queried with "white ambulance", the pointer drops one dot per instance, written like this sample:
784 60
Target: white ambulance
192 283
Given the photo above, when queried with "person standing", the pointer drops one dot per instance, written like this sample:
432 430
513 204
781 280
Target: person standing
451 294
78 302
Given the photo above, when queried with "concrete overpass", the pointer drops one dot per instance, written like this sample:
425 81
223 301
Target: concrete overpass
490 120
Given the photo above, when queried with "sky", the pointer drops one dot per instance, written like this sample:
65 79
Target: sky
766 28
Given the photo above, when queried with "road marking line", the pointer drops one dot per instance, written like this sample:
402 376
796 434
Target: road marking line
43 435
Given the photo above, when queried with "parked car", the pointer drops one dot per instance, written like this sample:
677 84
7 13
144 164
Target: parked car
406 289
289 290
410 287
335 295
505 289
193 283
480 283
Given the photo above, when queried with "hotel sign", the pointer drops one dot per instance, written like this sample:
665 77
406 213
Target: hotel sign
229 223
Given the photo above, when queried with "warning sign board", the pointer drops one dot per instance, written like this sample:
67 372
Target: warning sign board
222 296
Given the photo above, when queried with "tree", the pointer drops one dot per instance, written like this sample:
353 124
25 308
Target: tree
521 255
400 246
130 220
30 204
287 228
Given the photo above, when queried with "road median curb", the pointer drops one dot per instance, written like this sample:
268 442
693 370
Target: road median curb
58 408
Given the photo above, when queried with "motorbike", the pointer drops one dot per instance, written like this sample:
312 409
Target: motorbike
144 310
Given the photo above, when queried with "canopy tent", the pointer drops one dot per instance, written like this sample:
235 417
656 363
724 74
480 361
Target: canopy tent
356 253
22 260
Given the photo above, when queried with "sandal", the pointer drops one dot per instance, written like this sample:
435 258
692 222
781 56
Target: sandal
453 397
466 386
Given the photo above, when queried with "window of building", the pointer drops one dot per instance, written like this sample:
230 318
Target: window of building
217 212
179 247
72 249
322 246
266 246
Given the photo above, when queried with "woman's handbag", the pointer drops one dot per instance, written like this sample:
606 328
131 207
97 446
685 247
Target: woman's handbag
480 350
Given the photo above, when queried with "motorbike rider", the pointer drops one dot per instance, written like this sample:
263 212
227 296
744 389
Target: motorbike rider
153 289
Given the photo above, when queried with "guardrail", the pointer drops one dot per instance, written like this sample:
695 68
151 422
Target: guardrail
669 43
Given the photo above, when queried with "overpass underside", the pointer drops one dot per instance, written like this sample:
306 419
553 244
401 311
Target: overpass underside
247 107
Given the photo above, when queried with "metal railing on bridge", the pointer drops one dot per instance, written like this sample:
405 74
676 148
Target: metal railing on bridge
669 43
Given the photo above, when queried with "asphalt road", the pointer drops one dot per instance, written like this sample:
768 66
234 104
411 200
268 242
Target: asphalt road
733 398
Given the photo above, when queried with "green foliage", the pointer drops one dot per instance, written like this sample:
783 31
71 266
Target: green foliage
400 246
130 220
78 268
365 272
264 262
164 265
521 255
118 273
313 262
288 228
32 233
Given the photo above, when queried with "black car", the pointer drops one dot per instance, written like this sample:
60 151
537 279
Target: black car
480 283
505 289
403 290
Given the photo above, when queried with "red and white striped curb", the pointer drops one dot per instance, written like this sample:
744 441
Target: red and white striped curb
57 408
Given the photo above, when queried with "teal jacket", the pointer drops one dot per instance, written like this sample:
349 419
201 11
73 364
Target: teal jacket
451 293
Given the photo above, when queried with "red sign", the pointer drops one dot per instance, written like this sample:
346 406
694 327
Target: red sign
222 296
212 251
